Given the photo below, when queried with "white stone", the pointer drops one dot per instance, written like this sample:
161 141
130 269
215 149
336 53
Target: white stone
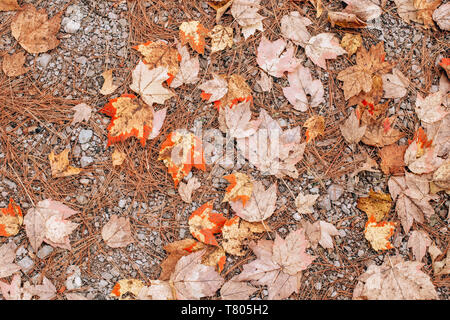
44 251
72 26
43 60
85 161
26 263
85 136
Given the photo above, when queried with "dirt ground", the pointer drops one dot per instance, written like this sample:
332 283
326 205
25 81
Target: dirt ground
36 115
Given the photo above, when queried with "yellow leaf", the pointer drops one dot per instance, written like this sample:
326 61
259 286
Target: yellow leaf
377 205
378 234
316 127
221 38
194 33
59 165
240 187
126 286
351 43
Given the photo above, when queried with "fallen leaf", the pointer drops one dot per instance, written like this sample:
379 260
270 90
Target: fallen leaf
445 64
220 7
319 7
441 177
180 152
203 224
265 82
194 33
221 38
13 64
272 57
47 222
74 296
364 9
118 157
304 203
240 187
441 16
59 164
293 27
189 68
395 279
378 233
440 267
236 290
214 89
236 232
382 133
425 10
237 121
193 280
439 134
246 14
315 127
130 117
148 84
214 256
430 109
82 113
392 161
125 287
9 5
320 232
34 31
303 91
117 232
395 85
238 91
7 256
157 290
45 291
368 165
419 241
260 206
108 86
351 129
15 291
406 10
186 189
321 47
372 98
11 219
376 205
345 20
421 156
351 42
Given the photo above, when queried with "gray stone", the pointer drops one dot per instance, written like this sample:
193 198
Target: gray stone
122 203
70 25
81 60
44 251
85 161
85 136
335 191
43 60
26 263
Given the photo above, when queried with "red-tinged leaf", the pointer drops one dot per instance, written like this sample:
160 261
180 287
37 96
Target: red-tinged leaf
240 188
194 33
378 234
11 219
203 224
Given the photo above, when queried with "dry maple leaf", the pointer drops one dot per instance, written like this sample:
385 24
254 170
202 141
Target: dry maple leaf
47 222
265 82
237 121
412 193
34 31
422 156
221 38
419 241
203 224
358 78
351 129
11 219
377 205
303 91
118 157
442 16
240 188
270 57
125 287
130 117
315 127
425 10
260 206
238 91
194 33
246 14
189 68
16 291
193 280
406 10
214 89
9 5
82 113
293 27
148 84
185 189
7 256
368 165
12 64
441 177
157 290
382 133
378 233
214 256
395 279
345 20
321 47
305 203
395 85
320 232
365 9
180 152
108 86
160 54
392 159
117 232
236 232
430 109
236 290
220 6
440 267
351 42
59 164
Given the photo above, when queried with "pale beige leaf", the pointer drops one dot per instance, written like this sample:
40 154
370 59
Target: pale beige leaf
305 203
186 189
216 87
74 296
430 109
15 291
118 157
442 16
7 256
59 164
293 27
158 290
108 86
406 10
237 120
189 68
246 14
395 85
265 82
236 290
221 38
419 241
82 113
45 291
272 57
364 9
351 129
323 46
117 232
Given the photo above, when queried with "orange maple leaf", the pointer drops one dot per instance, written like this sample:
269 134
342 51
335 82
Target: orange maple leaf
11 219
180 152
194 33
240 187
378 234
203 224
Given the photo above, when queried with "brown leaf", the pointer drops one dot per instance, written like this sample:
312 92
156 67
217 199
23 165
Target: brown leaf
185 189
236 232
32 29
364 9
221 38
117 232
351 129
316 127
125 287
392 159
441 177
220 7
108 86
9 5
345 20
194 33
322 47
425 10
236 290
118 157
304 203
382 133
240 187
377 205
395 85
13 64
419 241
351 42
430 109
59 164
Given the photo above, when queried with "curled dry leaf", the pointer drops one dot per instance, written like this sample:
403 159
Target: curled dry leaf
395 85
185 189
351 42
34 31
108 86
246 14
305 203
221 38
365 9
378 233
130 117
7 256
395 279
82 113
12 64
419 241
377 205
11 219
345 20
59 164
180 152
273 59
392 159
315 127
303 91
240 187
293 27
9 5
351 129
321 47
260 206
236 232
442 16
203 224
118 157
194 33
117 232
